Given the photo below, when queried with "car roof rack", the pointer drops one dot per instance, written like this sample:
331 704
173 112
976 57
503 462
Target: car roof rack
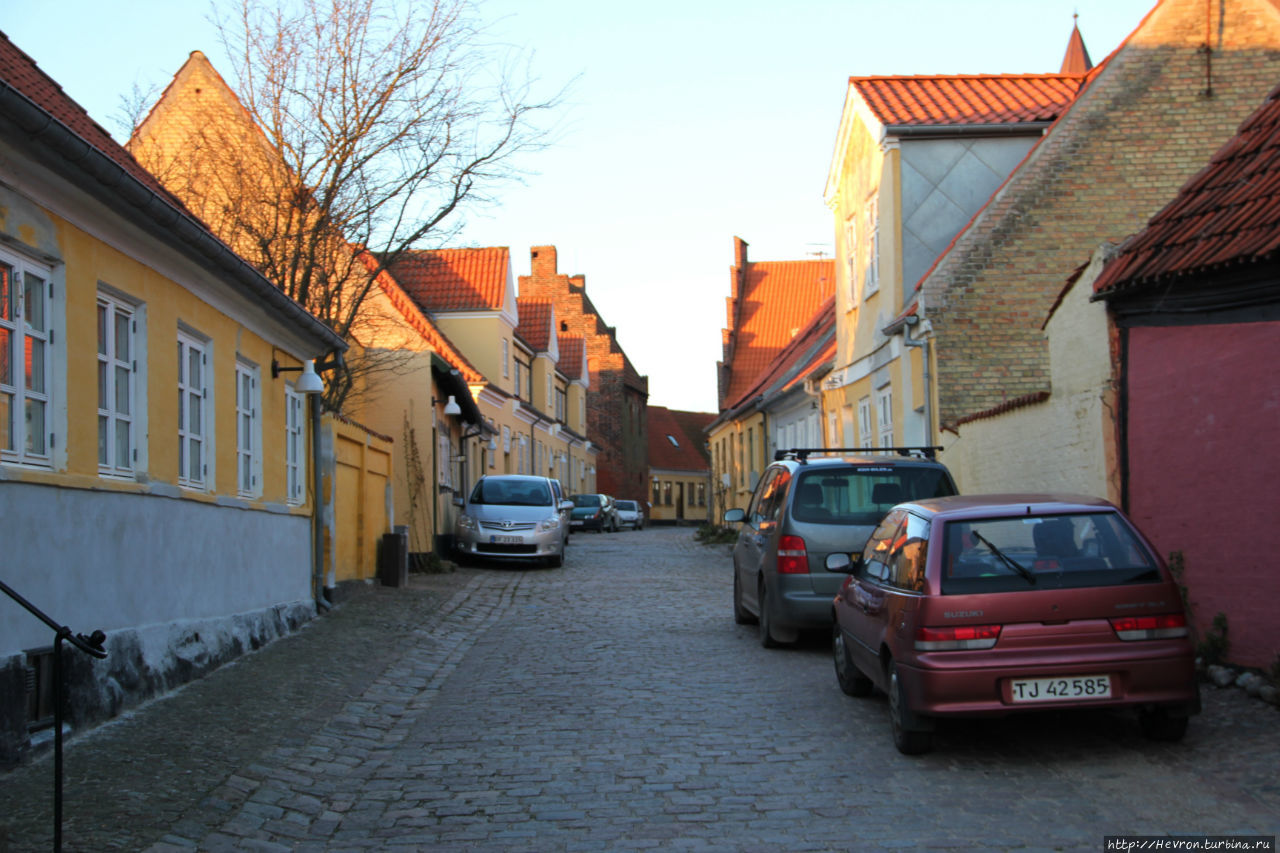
801 454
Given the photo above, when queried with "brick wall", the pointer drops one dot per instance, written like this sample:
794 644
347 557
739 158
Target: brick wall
618 398
1137 133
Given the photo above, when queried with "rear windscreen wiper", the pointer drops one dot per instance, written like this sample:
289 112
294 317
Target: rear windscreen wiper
1005 558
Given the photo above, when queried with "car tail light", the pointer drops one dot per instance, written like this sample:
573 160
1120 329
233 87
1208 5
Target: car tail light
959 637
1150 627
793 559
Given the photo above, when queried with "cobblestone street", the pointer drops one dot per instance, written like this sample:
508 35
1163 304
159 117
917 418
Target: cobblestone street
609 705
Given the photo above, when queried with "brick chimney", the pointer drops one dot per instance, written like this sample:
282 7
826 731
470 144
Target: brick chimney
543 261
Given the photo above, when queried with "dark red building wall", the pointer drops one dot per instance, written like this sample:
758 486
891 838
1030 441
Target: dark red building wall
1203 420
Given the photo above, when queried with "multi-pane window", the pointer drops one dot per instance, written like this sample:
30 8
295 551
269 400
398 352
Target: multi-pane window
562 404
506 358
117 389
521 370
193 415
248 429
884 407
864 422
295 445
26 433
873 248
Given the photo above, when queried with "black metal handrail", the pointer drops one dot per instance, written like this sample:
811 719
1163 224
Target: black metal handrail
90 645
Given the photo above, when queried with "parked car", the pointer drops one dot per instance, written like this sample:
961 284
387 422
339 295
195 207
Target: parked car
593 512
804 508
630 514
1002 604
566 506
512 516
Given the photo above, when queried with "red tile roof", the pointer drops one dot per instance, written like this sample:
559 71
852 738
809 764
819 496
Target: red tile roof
1227 215
813 346
572 351
535 323
443 280
776 300
21 72
967 99
688 450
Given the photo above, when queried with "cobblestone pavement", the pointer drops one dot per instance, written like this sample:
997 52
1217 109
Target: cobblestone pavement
609 705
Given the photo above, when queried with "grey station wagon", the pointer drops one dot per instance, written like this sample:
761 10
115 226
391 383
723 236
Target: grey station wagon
805 507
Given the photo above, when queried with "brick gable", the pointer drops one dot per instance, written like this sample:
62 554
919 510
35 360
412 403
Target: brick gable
1140 128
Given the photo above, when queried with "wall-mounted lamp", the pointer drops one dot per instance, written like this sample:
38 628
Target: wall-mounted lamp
308 383
451 406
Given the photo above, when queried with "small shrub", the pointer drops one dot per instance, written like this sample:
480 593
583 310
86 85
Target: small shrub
1215 645
714 534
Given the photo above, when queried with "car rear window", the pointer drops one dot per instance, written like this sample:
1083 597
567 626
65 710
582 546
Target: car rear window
512 493
863 494
1043 552
586 500
627 505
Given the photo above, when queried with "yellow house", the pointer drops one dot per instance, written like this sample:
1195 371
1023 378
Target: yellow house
155 466
914 158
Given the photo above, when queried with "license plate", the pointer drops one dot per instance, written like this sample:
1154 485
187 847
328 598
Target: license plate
576 523
1058 689
506 540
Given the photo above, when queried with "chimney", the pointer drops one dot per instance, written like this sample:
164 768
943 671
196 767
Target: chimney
739 252
543 261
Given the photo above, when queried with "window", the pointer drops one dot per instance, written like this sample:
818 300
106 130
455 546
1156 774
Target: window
561 404
248 429
666 492
873 249
26 433
295 445
550 393
506 358
193 414
117 386
864 422
702 494
672 439
851 262
884 408
657 492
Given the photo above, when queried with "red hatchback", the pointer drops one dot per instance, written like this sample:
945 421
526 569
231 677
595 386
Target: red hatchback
995 604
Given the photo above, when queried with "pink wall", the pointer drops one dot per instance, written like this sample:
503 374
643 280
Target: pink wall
1204 466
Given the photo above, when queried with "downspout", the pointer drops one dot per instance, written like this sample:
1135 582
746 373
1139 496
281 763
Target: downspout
317 510
923 343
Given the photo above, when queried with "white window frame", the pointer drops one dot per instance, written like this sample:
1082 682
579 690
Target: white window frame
295 446
851 262
20 398
194 432
248 429
864 422
884 416
119 406
506 358
872 283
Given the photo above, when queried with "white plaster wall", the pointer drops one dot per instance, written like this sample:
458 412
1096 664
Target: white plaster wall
1057 445
114 561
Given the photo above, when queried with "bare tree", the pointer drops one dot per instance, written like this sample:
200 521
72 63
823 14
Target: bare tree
375 121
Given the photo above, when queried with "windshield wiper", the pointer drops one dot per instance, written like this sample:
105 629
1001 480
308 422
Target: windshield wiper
1005 558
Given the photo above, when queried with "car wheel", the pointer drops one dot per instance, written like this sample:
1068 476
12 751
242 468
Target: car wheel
908 741
851 680
741 615
1159 724
555 561
770 637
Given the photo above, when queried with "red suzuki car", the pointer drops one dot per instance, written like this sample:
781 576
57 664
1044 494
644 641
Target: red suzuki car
996 604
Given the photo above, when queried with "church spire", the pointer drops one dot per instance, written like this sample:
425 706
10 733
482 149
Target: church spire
1077 59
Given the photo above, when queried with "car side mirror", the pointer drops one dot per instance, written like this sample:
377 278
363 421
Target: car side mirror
845 564
566 505
734 516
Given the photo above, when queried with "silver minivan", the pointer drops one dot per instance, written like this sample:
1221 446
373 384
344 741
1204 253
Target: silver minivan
512 516
805 507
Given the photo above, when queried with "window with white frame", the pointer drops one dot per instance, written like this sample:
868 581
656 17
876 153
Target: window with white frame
851 262
506 358
864 422
546 403
873 248
295 445
884 410
117 385
248 429
26 427
193 410
833 434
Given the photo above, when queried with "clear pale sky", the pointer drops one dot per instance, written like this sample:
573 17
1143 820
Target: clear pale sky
690 122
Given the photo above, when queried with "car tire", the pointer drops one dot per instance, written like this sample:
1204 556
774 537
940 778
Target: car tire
555 561
770 637
741 615
1159 724
852 681
909 741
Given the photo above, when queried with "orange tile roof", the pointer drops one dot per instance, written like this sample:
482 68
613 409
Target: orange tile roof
812 346
1227 215
967 99
535 323
688 452
777 299
443 280
572 356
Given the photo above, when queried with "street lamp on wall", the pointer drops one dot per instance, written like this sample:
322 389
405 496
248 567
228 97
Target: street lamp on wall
451 407
308 383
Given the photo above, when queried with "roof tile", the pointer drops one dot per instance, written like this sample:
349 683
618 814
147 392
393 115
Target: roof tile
445 280
967 99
